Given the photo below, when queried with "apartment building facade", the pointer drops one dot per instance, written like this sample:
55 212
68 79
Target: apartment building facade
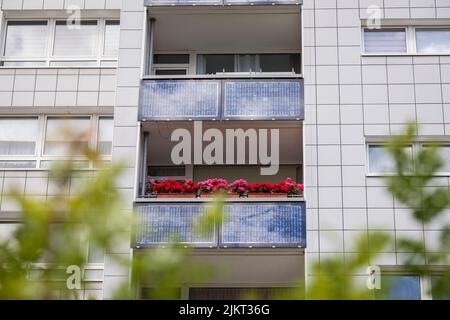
334 79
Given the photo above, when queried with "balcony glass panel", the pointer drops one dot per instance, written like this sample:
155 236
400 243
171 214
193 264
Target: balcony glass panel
245 224
183 99
263 225
218 2
263 99
182 2
222 99
162 223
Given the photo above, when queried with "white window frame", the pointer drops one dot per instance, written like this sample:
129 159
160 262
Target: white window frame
99 60
411 42
39 155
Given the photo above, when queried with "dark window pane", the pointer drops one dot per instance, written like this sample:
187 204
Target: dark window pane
215 63
239 293
167 294
280 62
171 171
170 72
399 287
171 58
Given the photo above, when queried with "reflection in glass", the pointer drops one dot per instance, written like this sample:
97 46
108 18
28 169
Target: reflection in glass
170 99
263 99
380 161
399 287
259 224
433 40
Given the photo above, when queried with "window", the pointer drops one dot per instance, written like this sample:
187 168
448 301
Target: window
399 287
171 64
444 153
57 43
25 39
385 40
18 136
105 136
380 161
280 62
439 287
217 63
66 135
112 36
433 40
407 40
170 72
171 59
37 142
75 40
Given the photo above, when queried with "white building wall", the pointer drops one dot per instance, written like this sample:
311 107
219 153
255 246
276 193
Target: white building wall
350 97
126 127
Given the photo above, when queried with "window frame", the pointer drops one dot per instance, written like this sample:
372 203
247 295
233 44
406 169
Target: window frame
99 59
39 155
411 42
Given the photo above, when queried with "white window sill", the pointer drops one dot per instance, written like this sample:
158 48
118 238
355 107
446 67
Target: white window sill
405 54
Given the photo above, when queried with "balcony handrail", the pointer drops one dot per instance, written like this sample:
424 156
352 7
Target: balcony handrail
229 75
226 200
172 3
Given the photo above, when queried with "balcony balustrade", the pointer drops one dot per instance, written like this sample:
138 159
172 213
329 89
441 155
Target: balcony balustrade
245 224
222 99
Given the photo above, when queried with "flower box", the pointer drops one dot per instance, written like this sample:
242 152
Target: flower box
266 195
225 195
176 195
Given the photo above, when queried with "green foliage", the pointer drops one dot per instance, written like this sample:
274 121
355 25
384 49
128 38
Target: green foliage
411 185
335 279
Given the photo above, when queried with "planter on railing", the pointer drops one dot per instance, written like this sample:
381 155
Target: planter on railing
176 195
266 195
213 188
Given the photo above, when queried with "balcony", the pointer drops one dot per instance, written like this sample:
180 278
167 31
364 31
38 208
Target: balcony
246 224
222 99
151 3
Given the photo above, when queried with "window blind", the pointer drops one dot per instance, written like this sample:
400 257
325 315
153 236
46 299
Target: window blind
26 39
76 40
385 40
62 134
18 136
105 136
112 36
